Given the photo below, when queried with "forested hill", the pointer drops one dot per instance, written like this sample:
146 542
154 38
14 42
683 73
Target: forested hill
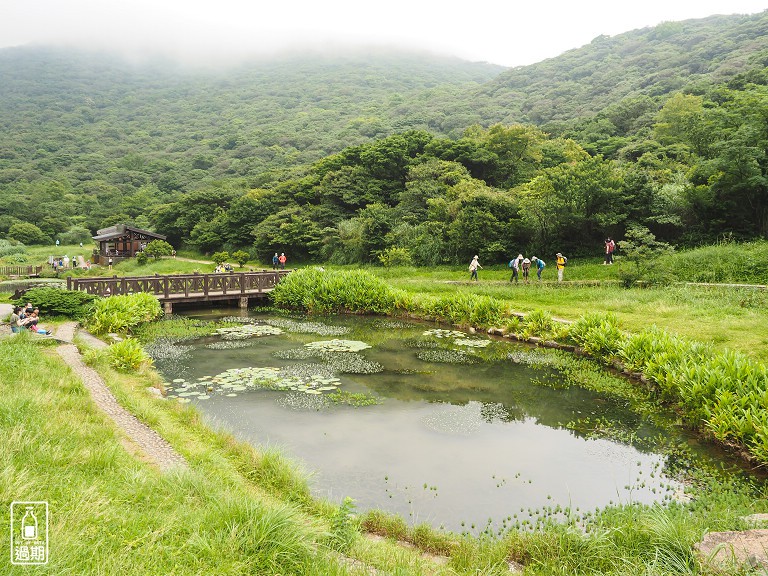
198 124
650 62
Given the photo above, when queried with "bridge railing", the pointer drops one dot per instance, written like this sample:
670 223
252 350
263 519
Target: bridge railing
20 270
177 285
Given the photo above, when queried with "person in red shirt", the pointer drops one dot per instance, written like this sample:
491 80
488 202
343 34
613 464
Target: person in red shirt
282 260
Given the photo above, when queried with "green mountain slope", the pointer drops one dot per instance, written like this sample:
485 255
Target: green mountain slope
82 115
650 62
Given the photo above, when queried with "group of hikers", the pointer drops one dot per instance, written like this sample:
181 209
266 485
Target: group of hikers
521 266
27 318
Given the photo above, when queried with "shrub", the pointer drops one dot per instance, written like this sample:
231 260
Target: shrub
344 527
220 257
158 248
8 247
598 334
320 291
28 233
241 257
394 256
128 355
142 258
122 313
538 323
52 300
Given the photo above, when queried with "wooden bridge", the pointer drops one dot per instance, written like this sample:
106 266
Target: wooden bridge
183 288
20 270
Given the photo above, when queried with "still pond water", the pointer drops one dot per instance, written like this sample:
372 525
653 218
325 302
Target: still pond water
468 433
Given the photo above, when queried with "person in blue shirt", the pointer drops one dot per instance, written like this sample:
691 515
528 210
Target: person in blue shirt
539 266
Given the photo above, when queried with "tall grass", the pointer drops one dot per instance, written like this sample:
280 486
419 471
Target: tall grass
727 262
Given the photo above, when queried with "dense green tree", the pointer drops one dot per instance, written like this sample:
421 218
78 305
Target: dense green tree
28 233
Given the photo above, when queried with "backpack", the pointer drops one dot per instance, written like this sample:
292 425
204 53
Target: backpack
510 263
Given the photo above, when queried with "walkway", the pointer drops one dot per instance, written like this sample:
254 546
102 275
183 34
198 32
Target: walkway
150 445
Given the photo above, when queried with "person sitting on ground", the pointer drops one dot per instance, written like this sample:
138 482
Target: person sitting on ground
31 322
15 320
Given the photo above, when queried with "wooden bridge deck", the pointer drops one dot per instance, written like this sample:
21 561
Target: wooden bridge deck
178 288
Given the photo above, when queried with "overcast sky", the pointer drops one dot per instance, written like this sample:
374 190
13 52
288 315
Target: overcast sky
506 32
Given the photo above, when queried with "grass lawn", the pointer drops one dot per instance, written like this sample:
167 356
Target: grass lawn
733 318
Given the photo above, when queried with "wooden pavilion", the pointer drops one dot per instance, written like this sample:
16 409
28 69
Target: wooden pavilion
122 241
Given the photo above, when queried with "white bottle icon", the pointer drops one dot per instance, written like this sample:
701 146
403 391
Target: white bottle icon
29 525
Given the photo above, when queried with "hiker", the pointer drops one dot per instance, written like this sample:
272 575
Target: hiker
561 263
110 262
610 247
515 265
539 266
526 268
473 266
282 260
275 261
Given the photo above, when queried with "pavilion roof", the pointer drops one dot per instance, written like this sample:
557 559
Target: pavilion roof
120 230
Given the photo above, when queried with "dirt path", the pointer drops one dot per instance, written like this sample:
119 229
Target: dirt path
144 441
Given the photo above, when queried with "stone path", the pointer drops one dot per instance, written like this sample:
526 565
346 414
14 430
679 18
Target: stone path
149 443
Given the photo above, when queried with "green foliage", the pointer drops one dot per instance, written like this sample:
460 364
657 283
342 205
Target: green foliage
176 328
127 355
28 233
142 258
158 248
538 323
395 256
241 257
598 334
641 254
8 248
220 257
344 527
53 300
75 234
319 291
726 262
122 313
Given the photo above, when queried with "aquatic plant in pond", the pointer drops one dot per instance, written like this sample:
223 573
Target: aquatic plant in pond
339 362
443 333
471 342
310 379
248 331
230 344
305 327
338 345
448 356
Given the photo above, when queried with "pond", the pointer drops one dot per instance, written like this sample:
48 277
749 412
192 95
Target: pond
456 430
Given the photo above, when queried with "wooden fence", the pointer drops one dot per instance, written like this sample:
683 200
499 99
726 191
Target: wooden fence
20 270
